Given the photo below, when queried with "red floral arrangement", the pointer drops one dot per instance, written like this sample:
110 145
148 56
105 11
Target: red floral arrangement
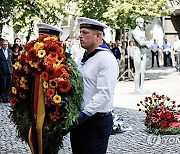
162 114
62 86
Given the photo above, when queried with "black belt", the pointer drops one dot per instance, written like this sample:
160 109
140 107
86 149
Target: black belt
102 114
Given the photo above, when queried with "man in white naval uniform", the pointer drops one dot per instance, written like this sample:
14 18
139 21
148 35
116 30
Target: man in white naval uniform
99 69
141 45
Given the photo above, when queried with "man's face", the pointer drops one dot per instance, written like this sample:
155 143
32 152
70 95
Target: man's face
4 45
118 43
87 38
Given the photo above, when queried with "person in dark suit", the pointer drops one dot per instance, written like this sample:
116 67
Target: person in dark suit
117 50
6 70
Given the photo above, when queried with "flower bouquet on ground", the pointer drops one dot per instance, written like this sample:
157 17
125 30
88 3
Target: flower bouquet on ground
118 123
46 94
119 126
162 114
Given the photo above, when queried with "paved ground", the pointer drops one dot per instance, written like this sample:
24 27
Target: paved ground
160 80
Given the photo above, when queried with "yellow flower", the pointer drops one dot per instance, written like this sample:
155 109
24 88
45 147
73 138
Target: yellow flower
57 63
41 53
53 38
33 64
17 65
14 91
57 99
38 45
23 79
45 84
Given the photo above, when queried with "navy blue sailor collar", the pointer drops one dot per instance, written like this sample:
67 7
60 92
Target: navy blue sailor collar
86 56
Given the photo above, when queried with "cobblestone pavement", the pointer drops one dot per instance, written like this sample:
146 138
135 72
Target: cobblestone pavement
137 140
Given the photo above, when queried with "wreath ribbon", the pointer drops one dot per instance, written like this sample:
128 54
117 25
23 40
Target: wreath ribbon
39 114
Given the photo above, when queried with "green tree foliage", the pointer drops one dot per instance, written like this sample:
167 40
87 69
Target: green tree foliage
94 8
118 13
24 13
121 14
124 12
6 7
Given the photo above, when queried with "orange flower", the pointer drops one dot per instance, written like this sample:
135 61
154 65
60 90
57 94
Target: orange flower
53 83
64 86
44 76
65 75
50 93
49 60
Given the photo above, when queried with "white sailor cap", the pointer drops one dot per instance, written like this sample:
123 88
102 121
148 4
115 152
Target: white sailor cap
49 29
91 24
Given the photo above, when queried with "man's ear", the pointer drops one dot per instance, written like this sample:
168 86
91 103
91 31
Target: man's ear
99 34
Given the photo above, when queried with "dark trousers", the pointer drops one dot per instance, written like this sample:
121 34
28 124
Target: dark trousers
157 59
91 137
5 86
167 58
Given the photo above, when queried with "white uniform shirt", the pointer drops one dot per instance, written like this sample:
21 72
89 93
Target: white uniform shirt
100 74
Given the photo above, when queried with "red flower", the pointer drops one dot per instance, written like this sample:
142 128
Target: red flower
44 76
174 124
70 70
59 43
161 115
28 46
169 115
54 49
53 117
41 37
32 54
164 125
13 102
64 86
50 93
61 56
51 73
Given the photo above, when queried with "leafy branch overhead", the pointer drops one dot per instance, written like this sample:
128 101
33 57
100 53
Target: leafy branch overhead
116 13
24 13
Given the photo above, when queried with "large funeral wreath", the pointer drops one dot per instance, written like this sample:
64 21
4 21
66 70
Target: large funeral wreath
62 85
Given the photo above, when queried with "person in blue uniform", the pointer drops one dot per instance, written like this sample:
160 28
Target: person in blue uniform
99 69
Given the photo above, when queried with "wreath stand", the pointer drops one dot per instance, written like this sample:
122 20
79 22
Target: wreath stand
128 71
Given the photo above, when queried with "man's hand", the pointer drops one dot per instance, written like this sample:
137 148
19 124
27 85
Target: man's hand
82 117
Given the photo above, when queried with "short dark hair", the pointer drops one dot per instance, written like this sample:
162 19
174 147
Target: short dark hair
1 39
15 46
16 39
